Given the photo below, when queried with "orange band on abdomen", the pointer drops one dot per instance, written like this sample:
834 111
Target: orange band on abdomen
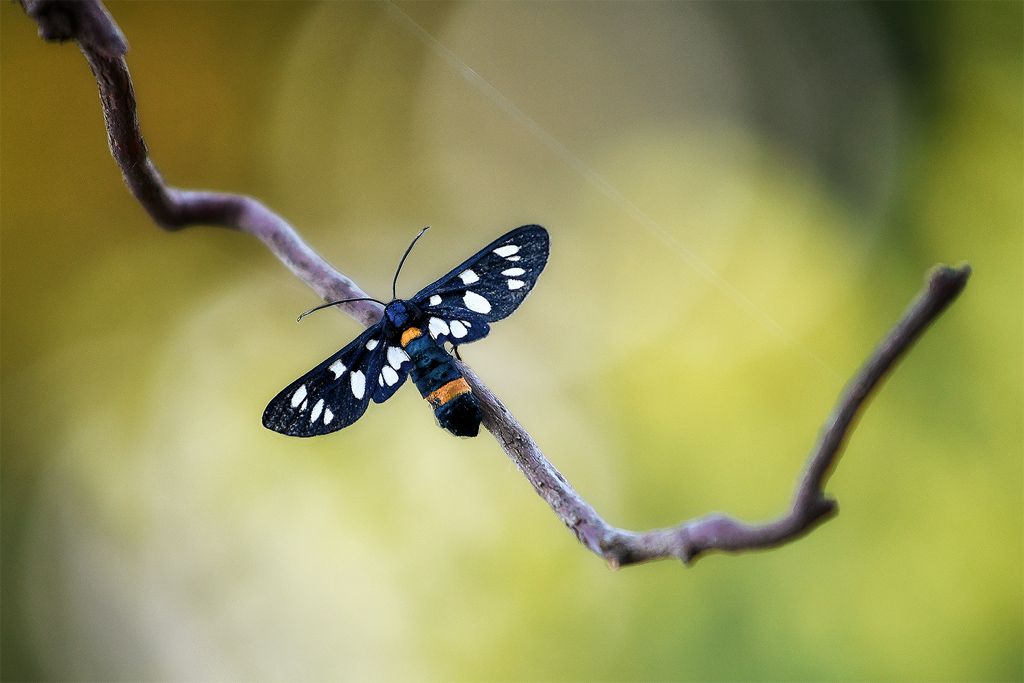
410 334
456 387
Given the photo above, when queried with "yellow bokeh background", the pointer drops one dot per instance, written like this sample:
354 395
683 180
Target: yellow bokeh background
742 198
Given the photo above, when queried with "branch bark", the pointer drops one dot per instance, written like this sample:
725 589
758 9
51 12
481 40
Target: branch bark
100 39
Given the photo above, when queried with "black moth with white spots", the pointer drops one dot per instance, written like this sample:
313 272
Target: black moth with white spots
458 308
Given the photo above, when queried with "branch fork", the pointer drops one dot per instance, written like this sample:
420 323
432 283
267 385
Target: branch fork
89 24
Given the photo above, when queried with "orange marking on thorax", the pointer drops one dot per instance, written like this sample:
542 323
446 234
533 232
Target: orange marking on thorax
409 335
456 387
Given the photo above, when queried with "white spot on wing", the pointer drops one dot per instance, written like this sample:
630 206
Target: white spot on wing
371 345
477 303
513 272
328 416
358 384
435 300
515 284
468 277
396 357
513 258
304 405
389 375
437 327
317 408
458 329
507 250
299 396
337 367
380 379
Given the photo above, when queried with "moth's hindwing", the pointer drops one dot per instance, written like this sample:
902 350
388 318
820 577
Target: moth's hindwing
394 368
487 287
332 395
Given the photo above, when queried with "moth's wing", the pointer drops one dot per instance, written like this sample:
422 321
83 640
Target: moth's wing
487 287
455 324
332 395
394 368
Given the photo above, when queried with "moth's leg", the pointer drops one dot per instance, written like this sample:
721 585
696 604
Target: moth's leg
455 350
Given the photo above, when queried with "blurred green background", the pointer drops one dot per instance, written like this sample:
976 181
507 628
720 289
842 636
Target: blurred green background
742 199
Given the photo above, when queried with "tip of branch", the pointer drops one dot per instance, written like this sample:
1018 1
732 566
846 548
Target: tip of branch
950 278
86 21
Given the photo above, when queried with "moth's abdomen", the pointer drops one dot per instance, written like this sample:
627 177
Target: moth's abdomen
460 415
440 382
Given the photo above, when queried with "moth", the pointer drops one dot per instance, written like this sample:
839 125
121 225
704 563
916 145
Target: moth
409 341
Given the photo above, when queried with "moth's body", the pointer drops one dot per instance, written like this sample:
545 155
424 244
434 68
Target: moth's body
433 371
409 341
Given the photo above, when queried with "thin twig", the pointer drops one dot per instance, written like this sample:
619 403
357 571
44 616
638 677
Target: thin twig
104 47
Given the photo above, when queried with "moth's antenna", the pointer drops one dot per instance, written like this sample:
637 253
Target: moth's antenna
394 283
335 303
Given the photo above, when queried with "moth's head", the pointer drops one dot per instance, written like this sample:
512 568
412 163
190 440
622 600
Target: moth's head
400 313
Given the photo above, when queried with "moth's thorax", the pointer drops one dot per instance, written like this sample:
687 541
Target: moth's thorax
400 313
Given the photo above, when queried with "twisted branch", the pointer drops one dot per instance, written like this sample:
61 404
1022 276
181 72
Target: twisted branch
104 46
